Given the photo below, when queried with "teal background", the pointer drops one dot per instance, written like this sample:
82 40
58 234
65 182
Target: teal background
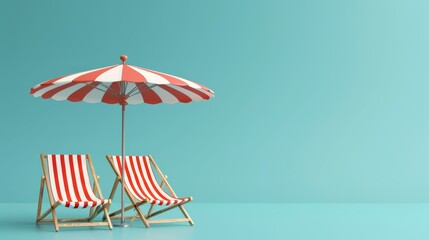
316 101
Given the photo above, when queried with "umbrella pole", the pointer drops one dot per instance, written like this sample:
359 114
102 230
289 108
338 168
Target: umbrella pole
122 224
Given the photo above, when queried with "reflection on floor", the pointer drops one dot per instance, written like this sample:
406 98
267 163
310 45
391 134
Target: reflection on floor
243 221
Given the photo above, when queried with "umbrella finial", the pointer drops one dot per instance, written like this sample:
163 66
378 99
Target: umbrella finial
123 58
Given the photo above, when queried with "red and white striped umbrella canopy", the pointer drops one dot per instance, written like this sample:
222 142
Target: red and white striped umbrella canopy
122 84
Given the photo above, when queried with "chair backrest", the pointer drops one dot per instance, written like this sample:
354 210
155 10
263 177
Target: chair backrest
69 180
140 179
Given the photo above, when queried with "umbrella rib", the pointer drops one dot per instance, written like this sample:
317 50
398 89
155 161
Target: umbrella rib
140 91
108 88
103 90
125 87
134 89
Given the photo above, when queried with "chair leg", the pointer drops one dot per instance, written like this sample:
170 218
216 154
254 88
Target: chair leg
115 186
94 211
106 213
39 205
55 220
112 194
186 215
91 212
150 209
142 217
137 208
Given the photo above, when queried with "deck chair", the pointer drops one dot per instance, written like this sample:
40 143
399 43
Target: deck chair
142 187
68 184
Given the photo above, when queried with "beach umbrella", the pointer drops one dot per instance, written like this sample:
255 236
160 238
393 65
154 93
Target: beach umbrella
122 84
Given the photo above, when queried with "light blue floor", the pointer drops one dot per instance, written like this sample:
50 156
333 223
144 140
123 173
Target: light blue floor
244 221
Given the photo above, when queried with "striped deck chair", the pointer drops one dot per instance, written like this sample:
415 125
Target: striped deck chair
142 187
68 184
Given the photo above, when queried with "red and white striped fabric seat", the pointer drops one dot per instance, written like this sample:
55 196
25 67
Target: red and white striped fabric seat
69 181
141 181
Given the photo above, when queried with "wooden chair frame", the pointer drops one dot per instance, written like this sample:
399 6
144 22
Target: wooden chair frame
70 222
136 203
